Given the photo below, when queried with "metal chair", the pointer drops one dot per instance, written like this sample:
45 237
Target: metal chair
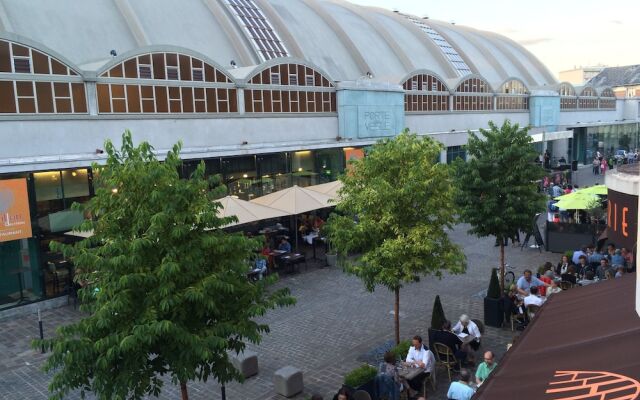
445 357
566 285
532 309
517 318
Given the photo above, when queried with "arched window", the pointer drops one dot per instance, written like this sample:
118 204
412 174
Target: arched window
468 99
607 99
23 90
568 100
187 85
424 92
588 98
285 88
513 95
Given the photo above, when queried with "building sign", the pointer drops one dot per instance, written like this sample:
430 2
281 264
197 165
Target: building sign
376 121
15 221
622 219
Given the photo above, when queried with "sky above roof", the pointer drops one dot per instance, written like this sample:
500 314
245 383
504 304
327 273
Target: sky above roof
563 34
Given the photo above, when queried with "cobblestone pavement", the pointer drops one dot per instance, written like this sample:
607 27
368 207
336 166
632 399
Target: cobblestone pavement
335 322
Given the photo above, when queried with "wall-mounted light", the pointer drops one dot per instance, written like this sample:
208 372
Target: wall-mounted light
300 169
99 151
245 175
338 138
244 143
113 53
233 64
369 75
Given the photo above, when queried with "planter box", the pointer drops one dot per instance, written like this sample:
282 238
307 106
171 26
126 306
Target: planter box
493 313
332 260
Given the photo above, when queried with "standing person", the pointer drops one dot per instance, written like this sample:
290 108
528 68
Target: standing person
485 367
547 159
603 166
461 390
596 166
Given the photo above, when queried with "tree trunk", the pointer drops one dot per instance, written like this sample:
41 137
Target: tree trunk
183 390
396 315
502 265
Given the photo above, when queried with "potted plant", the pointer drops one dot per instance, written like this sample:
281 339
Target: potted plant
362 378
332 255
401 349
437 319
493 313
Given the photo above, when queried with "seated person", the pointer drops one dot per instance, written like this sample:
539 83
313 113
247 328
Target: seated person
603 269
546 278
260 267
343 394
576 254
563 265
588 279
419 356
617 259
284 245
461 390
317 223
582 265
595 257
465 325
554 288
389 368
485 367
451 340
527 281
570 276
619 272
533 298
628 258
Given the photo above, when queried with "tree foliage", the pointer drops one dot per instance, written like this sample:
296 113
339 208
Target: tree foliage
167 292
397 203
497 187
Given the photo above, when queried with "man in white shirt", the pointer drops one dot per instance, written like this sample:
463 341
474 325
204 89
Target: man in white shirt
533 298
468 327
419 356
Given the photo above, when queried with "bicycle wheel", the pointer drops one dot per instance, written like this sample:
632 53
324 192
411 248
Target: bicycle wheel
509 279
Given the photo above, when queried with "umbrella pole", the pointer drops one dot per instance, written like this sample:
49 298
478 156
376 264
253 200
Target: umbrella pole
296 228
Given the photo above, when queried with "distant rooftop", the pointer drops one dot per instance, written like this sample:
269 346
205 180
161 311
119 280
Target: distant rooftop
617 76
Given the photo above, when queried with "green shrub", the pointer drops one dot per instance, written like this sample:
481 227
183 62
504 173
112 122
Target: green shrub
360 376
569 253
401 349
494 285
437 315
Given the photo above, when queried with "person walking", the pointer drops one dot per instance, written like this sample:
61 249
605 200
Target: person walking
596 166
603 166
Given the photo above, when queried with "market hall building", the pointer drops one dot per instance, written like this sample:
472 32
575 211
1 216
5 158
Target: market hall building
270 93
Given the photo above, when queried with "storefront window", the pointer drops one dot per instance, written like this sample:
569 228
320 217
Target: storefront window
303 172
330 164
454 152
240 176
273 172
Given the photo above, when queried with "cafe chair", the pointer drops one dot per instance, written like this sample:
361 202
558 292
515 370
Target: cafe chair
445 358
361 395
532 309
519 318
60 277
566 285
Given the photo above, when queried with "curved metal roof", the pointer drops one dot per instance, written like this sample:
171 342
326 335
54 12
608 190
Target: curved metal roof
341 38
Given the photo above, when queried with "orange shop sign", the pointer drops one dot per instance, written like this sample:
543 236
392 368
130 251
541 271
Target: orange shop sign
15 221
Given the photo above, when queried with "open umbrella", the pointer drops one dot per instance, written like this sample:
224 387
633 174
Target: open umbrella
597 189
330 189
295 200
246 211
576 201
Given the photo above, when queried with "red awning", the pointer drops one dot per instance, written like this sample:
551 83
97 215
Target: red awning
583 343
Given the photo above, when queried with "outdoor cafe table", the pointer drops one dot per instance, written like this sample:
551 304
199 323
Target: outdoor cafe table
466 338
409 372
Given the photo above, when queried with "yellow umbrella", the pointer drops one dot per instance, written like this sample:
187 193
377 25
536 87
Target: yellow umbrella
597 189
576 201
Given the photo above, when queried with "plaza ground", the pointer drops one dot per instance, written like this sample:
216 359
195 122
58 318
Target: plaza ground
334 323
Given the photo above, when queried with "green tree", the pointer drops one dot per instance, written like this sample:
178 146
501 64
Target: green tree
497 190
166 290
402 200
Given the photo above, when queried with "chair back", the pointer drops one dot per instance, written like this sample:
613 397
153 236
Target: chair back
532 309
479 324
52 267
361 395
443 353
565 285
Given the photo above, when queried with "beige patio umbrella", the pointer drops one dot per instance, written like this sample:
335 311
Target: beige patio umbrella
246 211
295 200
331 189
